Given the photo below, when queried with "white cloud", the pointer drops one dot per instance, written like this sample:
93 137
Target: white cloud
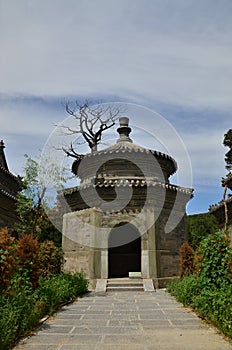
173 53
156 53
206 151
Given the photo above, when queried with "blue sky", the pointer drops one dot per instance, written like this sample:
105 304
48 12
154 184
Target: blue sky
173 57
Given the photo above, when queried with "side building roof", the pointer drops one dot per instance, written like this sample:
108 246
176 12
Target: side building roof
9 187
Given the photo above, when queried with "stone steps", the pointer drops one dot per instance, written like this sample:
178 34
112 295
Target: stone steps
124 284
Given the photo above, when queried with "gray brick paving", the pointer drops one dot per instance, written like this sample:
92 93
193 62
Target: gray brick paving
125 320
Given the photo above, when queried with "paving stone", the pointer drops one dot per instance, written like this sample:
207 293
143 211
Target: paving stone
122 339
37 347
94 317
147 308
47 328
124 312
102 347
66 322
96 307
123 323
97 312
136 329
128 320
69 316
77 308
179 316
151 316
191 321
152 324
60 339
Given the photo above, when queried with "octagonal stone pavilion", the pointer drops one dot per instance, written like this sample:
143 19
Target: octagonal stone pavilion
126 217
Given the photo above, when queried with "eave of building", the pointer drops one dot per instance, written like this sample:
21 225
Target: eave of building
7 172
215 207
227 181
7 194
129 183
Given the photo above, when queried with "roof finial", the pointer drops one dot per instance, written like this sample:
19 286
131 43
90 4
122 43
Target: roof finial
3 162
124 130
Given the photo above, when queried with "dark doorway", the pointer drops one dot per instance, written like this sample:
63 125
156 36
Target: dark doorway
124 253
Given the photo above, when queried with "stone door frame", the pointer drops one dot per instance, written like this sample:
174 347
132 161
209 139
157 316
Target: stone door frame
144 262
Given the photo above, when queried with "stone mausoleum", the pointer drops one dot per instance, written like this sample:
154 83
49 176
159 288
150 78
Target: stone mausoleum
126 217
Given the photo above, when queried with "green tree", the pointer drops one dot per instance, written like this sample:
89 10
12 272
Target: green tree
199 227
31 203
227 142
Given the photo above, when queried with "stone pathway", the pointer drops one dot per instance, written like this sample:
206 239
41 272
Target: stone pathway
125 320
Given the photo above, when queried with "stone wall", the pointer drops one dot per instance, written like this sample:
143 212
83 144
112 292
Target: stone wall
78 242
86 248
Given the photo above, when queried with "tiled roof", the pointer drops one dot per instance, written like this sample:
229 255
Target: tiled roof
130 147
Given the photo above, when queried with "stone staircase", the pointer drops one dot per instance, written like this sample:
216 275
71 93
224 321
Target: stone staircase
124 284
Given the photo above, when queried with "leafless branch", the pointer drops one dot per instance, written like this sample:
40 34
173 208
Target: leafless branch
92 122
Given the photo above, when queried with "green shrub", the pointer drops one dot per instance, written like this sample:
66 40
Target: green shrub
214 257
213 305
186 289
216 307
64 288
9 324
21 307
17 315
209 288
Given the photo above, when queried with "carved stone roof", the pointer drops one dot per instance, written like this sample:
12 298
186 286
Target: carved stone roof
122 165
124 145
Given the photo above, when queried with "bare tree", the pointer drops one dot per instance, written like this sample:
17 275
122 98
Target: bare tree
92 122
